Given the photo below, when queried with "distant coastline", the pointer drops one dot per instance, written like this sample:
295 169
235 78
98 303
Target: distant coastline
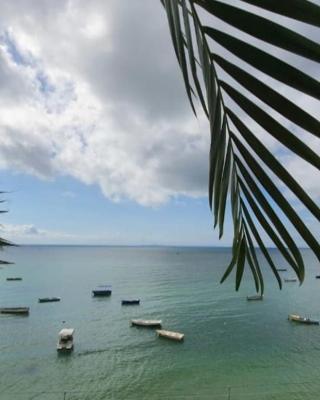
140 246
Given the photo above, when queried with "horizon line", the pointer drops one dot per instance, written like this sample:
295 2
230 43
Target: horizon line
117 245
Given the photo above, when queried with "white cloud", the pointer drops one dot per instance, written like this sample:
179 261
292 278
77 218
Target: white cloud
90 104
93 90
30 231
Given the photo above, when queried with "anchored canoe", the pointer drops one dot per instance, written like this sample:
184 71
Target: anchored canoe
303 320
147 323
14 279
48 299
15 310
135 302
170 335
255 297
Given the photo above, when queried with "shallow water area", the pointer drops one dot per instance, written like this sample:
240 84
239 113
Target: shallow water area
232 349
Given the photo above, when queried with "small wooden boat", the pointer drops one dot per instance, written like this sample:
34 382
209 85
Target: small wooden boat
170 335
255 297
102 290
65 343
290 280
147 323
48 299
135 302
14 279
303 320
281 269
15 310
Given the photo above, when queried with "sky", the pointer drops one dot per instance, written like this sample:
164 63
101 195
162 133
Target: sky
98 143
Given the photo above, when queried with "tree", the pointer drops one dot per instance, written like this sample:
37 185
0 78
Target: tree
4 242
241 165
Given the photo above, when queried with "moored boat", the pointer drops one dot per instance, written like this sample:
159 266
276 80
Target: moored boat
102 290
15 310
281 269
147 323
177 336
255 297
48 299
14 279
65 342
303 320
134 302
290 280
317 276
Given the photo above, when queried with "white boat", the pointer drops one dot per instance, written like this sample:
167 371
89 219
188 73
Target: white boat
170 335
148 323
65 342
303 320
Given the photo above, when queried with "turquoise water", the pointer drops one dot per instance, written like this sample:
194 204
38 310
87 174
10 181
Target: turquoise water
233 348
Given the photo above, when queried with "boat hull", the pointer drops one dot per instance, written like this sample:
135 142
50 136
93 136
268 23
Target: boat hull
65 348
302 320
15 310
14 279
49 299
130 302
254 298
101 293
176 336
146 323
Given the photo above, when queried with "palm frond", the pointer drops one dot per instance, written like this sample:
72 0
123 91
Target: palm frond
239 161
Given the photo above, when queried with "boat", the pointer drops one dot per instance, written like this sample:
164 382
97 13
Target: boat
65 343
102 290
15 310
290 280
135 302
317 276
48 299
281 269
147 323
14 279
177 336
255 297
303 320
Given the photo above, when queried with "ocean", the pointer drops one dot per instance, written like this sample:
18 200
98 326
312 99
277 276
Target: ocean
233 349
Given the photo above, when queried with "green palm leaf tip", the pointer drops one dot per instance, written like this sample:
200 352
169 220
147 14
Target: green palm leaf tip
236 158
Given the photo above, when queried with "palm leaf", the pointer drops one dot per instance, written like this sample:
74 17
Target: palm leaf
301 10
239 161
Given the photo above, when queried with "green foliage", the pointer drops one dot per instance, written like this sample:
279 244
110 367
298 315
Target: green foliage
239 162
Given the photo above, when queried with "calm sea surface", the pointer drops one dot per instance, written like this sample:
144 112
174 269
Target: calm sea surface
233 348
